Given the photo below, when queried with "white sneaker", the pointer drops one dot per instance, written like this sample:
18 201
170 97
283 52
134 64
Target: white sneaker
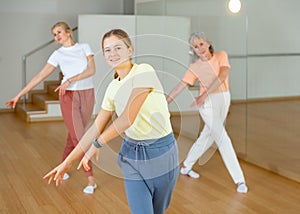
189 172
90 189
66 176
242 188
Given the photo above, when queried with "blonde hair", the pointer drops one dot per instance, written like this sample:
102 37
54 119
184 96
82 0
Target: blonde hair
121 34
64 26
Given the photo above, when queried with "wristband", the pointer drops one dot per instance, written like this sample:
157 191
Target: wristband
96 144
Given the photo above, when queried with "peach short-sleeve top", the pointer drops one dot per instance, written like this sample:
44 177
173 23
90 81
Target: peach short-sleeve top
207 71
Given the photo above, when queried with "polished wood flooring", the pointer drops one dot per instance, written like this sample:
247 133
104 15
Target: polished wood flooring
28 151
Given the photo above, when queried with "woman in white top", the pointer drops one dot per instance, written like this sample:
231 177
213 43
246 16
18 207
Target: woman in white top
76 92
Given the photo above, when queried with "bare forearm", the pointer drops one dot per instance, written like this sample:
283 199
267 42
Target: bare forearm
118 127
84 144
43 74
214 86
219 80
176 91
33 82
127 118
93 132
114 130
88 72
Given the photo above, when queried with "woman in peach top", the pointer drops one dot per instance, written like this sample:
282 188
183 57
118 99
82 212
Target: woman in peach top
211 70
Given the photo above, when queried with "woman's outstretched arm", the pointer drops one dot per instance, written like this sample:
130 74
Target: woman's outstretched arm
39 77
84 144
176 91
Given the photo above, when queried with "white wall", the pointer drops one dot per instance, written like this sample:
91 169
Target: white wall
91 30
26 25
273 28
162 42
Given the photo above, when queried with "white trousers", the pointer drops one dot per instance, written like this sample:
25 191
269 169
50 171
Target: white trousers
214 112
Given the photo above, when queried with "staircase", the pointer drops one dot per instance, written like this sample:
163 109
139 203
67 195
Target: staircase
41 105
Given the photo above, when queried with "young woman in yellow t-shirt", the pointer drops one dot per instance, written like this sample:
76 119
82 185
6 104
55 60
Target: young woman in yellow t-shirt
148 156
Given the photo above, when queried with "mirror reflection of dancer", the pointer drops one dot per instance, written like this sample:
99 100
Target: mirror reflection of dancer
148 156
76 92
211 70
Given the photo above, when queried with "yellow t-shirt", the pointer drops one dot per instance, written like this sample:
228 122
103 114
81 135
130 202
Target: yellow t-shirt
153 119
207 71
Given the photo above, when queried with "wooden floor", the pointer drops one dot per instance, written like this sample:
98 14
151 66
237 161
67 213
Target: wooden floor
28 151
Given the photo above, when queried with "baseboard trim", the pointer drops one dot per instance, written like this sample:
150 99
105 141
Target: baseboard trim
45 119
6 110
183 113
266 99
272 168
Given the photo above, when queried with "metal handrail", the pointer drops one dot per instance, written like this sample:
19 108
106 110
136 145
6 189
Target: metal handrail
25 56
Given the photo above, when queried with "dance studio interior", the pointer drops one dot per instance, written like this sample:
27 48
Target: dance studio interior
261 38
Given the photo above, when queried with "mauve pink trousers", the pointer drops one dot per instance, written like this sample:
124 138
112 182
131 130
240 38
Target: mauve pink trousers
77 108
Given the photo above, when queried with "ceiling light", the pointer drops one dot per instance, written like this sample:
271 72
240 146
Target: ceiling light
234 6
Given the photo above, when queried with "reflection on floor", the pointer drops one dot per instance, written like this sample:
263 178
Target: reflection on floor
267 134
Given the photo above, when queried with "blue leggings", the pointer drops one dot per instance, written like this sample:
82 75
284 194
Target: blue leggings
150 169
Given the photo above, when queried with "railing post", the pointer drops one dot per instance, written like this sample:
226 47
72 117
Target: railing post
24 81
